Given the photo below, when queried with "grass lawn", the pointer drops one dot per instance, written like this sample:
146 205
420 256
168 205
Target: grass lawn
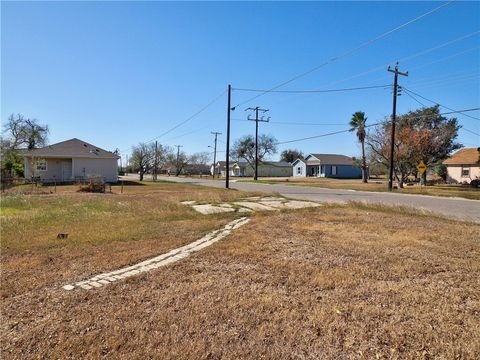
374 185
322 283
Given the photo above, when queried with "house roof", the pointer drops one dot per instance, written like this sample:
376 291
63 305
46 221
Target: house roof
222 164
329 159
464 157
73 148
298 160
277 163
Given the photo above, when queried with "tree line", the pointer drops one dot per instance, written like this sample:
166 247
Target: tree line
151 157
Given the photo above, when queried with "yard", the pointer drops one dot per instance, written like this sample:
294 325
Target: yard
315 283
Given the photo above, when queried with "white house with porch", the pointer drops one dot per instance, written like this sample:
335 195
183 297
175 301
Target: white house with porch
327 165
71 160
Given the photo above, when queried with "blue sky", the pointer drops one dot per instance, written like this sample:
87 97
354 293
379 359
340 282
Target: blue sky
118 73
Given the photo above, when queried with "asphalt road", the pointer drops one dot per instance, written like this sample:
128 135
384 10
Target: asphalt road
457 208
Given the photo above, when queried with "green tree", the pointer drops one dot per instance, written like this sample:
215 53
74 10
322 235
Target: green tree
422 135
357 122
290 155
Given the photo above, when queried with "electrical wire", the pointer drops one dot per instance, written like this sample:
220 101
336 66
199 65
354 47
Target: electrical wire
367 126
470 131
187 119
316 91
436 102
409 57
348 52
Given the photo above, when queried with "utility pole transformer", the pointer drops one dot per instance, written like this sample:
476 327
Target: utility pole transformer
215 151
394 116
257 109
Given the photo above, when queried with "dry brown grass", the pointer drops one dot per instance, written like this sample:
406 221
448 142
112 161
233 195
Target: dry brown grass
104 230
336 282
378 186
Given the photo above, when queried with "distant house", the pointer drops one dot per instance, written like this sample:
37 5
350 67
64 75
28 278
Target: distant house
69 161
327 165
463 166
270 169
196 169
237 168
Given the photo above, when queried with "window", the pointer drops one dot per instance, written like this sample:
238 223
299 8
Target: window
299 170
334 170
465 170
41 165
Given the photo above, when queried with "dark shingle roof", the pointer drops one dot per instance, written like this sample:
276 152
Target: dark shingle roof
73 148
334 159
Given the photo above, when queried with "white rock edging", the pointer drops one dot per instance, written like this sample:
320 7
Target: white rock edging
159 261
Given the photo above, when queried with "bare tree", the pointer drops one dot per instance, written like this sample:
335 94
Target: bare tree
244 148
142 158
25 132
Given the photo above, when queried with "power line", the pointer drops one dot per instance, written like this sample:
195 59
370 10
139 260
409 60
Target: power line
315 91
409 57
295 123
437 103
470 131
188 119
367 126
348 52
445 58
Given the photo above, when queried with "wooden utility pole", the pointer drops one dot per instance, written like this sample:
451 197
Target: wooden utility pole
394 115
227 155
156 162
215 151
177 171
257 109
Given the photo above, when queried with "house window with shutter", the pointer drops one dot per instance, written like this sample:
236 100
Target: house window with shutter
465 170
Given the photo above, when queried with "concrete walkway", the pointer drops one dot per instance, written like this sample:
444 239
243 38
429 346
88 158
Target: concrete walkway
456 208
172 256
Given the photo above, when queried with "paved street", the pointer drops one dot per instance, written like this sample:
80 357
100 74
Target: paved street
463 209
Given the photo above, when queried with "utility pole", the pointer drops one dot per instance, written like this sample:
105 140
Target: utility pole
394 116
177 171
156 162
227 155
126 165
257 109
215 151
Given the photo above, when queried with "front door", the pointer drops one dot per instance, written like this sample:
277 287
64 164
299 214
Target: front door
67 170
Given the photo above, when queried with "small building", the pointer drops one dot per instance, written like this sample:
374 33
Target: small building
69 161
237 168
270 169
327 165
463 166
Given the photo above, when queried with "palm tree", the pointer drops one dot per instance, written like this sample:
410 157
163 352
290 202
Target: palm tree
358 123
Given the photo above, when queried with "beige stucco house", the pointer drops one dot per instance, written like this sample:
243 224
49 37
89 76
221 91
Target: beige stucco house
463 166
71 160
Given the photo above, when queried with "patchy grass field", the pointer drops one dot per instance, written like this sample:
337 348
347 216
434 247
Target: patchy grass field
322 283
377 185
104 230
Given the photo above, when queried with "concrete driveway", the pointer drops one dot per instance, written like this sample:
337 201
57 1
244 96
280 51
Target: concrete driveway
457 208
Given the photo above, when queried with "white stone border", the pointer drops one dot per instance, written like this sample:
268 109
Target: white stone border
161 260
